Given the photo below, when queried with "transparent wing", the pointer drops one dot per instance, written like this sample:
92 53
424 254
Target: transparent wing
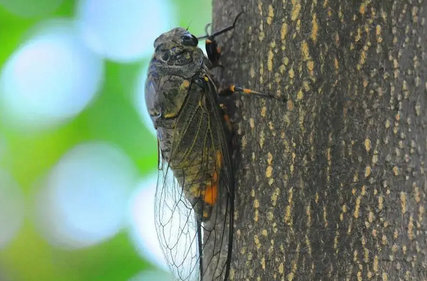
176 226
194 247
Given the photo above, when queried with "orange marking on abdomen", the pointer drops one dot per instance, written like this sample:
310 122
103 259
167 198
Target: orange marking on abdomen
211 193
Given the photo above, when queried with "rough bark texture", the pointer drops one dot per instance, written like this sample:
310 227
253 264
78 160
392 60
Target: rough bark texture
332 182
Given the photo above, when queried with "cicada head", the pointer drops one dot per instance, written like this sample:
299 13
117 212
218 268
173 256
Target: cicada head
177 49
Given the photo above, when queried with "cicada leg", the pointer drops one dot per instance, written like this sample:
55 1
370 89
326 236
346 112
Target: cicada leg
228 106
236 89
212 49
225 117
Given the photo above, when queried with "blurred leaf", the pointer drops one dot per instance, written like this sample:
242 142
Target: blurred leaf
111 117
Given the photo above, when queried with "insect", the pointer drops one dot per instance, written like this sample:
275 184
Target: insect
195 190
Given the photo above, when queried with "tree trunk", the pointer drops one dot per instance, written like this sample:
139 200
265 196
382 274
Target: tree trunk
331 182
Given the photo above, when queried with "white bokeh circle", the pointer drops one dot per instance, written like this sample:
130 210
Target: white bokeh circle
123 30
84 198
144 235
48 80
142 230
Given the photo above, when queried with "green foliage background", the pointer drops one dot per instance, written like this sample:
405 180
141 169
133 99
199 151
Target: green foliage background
111 117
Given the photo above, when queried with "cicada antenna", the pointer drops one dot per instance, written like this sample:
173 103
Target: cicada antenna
188 26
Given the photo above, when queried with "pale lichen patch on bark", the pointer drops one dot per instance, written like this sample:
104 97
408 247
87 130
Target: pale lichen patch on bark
378 34
269 171
343 211
283 33
421 213
368 171
262 139
270 14
325 217
261 34
417 194
385 276
291 73
362 8
256 241
288 210
261 72
384 240
296 8
310 67
252 123
243 142
357 207
305 52
274 197
314 28
263 263
370 217
270 60
396 170
300 95
367 144
411 233
281 268
264 111
252 72
375 157
403 202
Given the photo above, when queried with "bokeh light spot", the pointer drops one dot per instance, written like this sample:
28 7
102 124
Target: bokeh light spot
85 196
142 230
123 30
11 208
50 79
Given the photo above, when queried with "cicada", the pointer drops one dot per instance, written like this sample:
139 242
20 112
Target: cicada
195 188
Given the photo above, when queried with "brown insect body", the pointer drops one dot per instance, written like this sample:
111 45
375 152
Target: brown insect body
185 120
195 171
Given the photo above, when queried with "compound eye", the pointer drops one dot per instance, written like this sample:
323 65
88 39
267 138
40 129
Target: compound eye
189 39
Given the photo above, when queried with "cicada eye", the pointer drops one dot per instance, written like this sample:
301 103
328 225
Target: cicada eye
189 39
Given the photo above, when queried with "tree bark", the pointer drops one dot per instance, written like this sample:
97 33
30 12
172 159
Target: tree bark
331 183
